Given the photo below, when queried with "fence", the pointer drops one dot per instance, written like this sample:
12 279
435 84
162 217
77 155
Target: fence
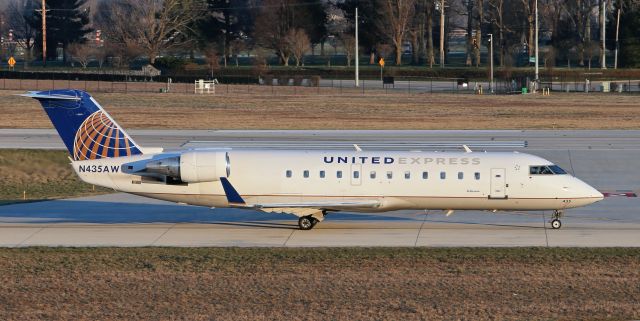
400 85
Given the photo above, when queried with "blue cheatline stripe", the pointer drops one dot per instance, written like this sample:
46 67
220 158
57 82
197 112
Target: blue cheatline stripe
230 192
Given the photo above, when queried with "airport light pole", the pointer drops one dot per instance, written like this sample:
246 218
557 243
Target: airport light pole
356 53
491 61
603 64
536 46
442 33
615 59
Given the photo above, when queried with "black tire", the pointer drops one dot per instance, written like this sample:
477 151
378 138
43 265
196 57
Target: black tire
306 223
556 224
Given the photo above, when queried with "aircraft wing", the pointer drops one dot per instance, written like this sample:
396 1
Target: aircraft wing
234 199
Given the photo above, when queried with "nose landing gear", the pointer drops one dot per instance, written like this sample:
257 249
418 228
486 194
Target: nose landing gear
555 219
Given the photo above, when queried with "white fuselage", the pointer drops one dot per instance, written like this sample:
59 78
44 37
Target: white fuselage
398 180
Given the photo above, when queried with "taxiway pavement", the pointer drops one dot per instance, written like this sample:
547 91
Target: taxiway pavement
126 220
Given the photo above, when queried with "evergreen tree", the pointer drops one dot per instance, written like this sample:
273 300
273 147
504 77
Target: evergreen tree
225 22
369 33
316 20
67 22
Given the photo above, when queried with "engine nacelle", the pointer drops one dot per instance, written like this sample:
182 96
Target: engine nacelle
204 166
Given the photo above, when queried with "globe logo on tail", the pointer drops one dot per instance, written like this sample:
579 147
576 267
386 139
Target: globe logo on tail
99 137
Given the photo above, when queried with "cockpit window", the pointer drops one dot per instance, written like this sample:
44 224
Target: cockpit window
557 170
546 170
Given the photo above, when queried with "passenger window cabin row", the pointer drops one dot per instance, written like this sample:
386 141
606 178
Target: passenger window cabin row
373 174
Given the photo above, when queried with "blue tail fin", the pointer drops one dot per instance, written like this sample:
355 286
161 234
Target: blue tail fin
85 128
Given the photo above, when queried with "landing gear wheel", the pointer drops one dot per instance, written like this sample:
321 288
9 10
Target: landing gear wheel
307 222
555 219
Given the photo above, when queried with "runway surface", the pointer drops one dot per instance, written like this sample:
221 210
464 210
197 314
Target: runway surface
605 159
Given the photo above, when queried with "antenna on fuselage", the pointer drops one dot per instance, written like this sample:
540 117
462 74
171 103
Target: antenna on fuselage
358 149
467 149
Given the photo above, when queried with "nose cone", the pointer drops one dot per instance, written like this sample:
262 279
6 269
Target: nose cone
589 194
581 193
596 195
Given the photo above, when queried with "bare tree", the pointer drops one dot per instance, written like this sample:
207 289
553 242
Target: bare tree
260 59
592 50
383 50
349 44
212 56
550 13
236 47
430 11
80 53
496 15
528 8
550 59
479 20
123 53
298 43
100 54
275 19
153 25
470 35
580 12
395 18
417 31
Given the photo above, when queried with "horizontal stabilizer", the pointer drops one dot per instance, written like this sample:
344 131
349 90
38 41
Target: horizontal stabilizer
42 95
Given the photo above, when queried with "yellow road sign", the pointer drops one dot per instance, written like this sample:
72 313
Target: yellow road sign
12 62
381 62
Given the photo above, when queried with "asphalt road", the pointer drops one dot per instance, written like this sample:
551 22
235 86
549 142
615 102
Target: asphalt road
605 159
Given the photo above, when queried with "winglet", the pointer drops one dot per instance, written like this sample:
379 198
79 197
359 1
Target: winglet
232 195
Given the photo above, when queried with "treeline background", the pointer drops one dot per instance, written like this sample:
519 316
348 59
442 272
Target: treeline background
170 33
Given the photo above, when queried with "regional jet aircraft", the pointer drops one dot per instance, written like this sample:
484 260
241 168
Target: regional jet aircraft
308 184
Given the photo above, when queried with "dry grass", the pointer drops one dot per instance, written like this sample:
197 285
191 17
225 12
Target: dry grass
256 108
319 284
41 174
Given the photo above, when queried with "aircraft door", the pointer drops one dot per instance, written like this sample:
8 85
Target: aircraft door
498 183
356 174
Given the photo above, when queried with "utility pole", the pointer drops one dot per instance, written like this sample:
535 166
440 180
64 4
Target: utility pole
356 53
491 60
44 32
537 56
442 33
603 19
615 61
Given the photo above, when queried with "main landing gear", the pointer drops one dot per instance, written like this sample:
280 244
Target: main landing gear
555 219
309 221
